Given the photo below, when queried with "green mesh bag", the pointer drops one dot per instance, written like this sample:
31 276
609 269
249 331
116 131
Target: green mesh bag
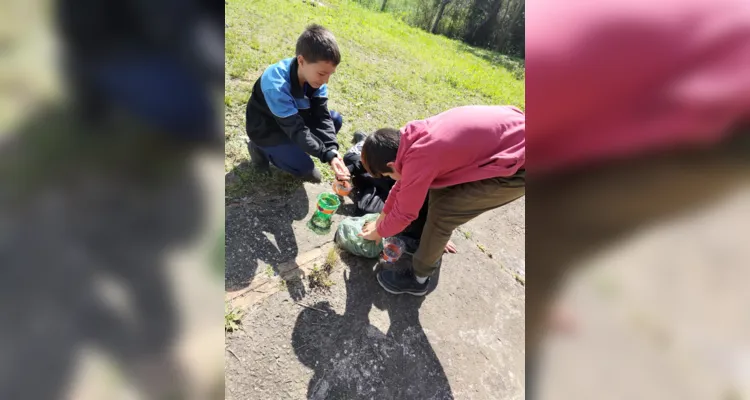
347 237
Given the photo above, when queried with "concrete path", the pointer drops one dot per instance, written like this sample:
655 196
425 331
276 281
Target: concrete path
464 340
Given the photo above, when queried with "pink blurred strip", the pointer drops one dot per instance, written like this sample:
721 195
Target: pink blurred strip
612 79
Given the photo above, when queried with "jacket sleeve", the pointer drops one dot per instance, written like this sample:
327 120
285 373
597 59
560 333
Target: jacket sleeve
284 111
323 127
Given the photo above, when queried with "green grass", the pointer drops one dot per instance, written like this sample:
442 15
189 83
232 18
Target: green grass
390 73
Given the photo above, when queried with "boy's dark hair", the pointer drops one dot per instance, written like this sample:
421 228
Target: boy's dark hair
379 149
318 44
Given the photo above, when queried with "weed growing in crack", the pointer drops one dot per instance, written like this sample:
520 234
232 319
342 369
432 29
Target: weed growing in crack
232 318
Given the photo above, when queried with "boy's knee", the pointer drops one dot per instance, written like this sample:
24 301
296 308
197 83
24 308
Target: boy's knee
291 159
302 167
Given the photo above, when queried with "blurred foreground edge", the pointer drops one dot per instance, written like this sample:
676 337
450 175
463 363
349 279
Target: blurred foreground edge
111 207
638 117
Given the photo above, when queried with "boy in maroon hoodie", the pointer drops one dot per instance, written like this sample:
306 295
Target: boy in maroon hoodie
470 160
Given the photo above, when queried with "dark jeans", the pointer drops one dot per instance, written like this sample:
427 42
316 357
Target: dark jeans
290 157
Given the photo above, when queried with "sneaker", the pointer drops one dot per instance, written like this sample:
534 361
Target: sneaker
258 158
356 150
358 137
313 176
402 282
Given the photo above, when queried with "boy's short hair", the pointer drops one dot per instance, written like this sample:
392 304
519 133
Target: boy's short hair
317 43
379 149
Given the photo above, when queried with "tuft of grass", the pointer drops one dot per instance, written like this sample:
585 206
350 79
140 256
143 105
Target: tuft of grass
332 257
467 234
232 318
270 273
394 74
320 277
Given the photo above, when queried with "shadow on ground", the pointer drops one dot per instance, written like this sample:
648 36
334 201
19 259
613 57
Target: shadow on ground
259 229
82 212
353 359
243 181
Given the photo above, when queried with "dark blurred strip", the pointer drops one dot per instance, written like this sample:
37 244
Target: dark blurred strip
111 201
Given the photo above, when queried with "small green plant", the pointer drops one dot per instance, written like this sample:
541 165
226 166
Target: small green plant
232 318
467 234
484 250
320 277
282 284
269 271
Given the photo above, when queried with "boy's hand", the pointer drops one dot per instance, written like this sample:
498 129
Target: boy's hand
370 232
339 168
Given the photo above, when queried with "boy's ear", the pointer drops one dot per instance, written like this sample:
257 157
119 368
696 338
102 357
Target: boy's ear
300 60
390 165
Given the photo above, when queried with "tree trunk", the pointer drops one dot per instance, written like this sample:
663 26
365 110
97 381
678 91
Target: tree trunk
439 15
519 10
382 8
504 36
483 28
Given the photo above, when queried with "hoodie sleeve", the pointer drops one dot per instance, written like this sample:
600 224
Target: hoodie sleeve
281 104
323 127
406 198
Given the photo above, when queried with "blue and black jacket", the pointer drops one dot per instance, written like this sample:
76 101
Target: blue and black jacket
281 112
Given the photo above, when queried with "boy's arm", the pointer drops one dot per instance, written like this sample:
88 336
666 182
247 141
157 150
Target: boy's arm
405 199
323 128
281 104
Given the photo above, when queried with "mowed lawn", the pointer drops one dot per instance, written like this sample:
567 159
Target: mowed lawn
390 73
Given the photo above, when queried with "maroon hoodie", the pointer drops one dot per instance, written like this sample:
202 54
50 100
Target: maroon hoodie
464 144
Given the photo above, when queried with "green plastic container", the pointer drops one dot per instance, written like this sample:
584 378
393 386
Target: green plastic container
327 205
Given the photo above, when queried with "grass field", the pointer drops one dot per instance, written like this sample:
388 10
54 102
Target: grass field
390 73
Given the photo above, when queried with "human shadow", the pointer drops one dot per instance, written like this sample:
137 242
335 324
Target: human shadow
353 359
81 213
259 229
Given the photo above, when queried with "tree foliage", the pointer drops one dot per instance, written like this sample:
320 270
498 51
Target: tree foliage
492 24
